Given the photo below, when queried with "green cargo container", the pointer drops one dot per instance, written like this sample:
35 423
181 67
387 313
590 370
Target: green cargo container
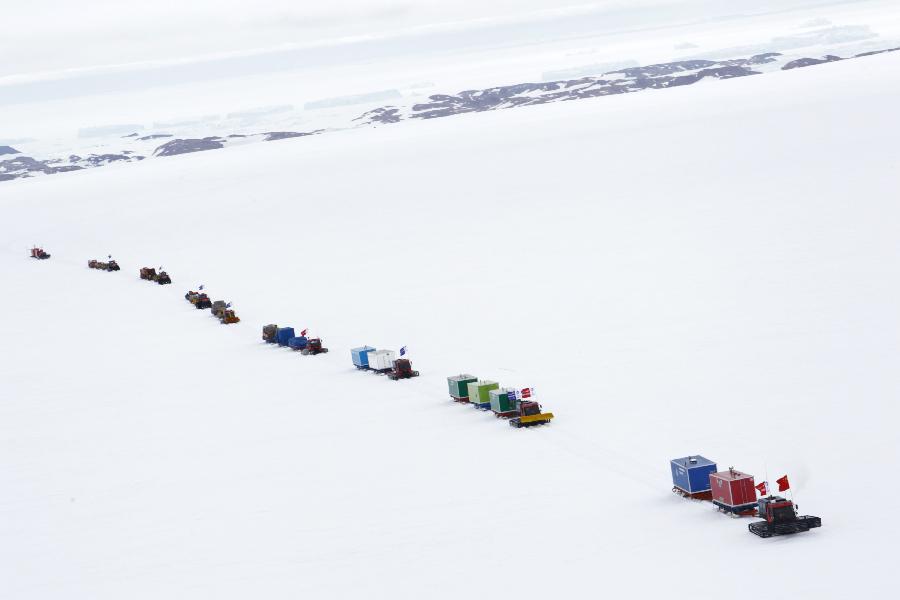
479 391
459 386
500 402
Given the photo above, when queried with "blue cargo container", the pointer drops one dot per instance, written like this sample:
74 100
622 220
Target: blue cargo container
691 474
283 335
298 343
361 356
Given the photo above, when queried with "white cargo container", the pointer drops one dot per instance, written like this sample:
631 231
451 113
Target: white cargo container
382 360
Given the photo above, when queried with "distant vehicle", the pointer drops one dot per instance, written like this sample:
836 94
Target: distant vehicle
39 253
402 369
313 347
150 274
199 299
227 316
104 266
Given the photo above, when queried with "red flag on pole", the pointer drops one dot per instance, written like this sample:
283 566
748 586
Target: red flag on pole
303 333
526 393
783 484
763 488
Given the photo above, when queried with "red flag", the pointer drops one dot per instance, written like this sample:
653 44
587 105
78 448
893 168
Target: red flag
303 333
526 393
783 484
763 488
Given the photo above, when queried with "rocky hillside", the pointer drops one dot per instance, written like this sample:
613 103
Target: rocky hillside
133 148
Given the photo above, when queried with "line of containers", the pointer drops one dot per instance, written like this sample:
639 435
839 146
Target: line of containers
698 477
369 358
286 336
503 402
484 395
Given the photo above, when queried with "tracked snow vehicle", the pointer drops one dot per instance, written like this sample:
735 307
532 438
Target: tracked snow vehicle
529 415
780 518
313 347
402 369
103 266
150 274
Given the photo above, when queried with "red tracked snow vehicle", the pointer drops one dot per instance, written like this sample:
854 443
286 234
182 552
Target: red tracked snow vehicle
781 518
313 347
402 369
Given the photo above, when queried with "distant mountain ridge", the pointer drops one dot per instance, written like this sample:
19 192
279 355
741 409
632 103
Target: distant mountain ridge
622 81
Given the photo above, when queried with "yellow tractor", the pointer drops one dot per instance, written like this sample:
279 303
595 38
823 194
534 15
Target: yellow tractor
227 317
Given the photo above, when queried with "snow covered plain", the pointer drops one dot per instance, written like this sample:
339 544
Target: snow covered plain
709 269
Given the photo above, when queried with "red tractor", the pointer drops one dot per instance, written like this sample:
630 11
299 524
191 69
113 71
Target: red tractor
402 369
780 518
313 347
39 253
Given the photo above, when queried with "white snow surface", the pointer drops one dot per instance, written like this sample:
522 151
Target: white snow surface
709 269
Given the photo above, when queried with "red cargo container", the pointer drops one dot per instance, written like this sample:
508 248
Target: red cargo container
733 491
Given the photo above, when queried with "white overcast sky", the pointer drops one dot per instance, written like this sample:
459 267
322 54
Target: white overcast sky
48 35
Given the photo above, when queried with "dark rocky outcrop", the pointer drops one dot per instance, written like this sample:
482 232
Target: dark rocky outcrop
271 136
22 166
808 62
26 166
387 114
623 81
874 52
186 146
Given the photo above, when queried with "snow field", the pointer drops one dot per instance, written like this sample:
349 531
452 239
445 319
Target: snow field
704 270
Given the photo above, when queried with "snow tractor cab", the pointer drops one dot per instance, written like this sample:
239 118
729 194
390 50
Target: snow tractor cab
191 296
163 278
39 253
780 518
530 414
268 333
402 369
227 317
313 347
112 266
